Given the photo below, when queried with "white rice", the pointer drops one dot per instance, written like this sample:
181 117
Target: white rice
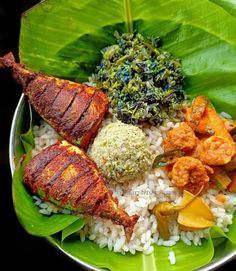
44 135
172 258
139 197
226 115
48 208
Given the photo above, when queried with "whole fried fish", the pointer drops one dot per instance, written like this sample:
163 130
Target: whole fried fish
74 110
65 175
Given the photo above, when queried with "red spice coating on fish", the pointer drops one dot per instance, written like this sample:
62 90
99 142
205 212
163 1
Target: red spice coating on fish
65 175
74 110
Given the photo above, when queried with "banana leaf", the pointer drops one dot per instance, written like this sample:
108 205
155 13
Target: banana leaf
227 5
64 39
72 228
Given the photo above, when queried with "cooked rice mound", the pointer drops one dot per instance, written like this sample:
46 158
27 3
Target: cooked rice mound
138 197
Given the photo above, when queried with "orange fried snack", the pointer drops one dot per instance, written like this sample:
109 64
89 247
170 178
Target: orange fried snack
215 151
190 174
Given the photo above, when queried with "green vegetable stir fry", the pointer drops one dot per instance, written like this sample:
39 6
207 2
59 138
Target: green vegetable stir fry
142 82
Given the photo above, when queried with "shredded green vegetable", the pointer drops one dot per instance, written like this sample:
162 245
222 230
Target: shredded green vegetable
143 82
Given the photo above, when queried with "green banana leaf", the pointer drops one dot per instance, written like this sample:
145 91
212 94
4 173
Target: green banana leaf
27 138
156 261
72 228
64 39
228 5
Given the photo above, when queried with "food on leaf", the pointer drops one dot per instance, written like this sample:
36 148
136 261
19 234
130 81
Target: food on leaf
202 33
181 138
189 173
206 139
121 152
74 110
64 175
192 214
143 82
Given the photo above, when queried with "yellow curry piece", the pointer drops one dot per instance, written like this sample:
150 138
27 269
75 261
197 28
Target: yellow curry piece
192 214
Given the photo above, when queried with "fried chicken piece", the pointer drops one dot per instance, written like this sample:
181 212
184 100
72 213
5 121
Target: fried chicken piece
74 110
65 175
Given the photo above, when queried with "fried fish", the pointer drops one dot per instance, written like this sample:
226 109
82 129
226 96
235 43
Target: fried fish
74 110
65 175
